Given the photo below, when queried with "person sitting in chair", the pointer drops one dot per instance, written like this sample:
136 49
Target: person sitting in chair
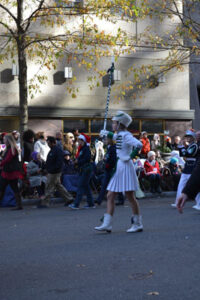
152 171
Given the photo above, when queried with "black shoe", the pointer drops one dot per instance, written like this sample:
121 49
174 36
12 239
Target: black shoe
68 202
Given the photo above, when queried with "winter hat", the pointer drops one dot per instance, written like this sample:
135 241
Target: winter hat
34 155
190 132
167 138
66 152
110 135
122 118
150 153
174 160
85 138
156 136
143 132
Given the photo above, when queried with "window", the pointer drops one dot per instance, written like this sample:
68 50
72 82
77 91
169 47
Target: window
70 4
8 125
80 124
153 126
134 127
97 125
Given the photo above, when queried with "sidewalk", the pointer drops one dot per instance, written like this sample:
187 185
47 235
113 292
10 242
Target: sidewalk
60 200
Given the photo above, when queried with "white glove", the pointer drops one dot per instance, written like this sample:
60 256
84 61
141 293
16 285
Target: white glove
103 133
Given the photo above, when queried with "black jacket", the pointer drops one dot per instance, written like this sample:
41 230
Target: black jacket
192 187
54 163
110 158
84 156
28 149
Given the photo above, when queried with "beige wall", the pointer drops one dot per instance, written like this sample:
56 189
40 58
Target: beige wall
171 95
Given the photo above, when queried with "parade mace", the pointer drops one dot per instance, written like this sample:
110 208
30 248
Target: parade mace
110 72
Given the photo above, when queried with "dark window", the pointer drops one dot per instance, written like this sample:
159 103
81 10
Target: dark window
97 125
8 125
134 127
153 126
81 125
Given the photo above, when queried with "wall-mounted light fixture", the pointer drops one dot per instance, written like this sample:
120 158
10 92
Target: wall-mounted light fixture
117 75
15 70
68 72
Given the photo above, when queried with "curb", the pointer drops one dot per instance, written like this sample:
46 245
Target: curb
60 200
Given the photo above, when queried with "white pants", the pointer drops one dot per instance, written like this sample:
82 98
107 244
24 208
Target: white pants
183 180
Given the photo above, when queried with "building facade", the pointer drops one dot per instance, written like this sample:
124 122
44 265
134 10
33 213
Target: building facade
163 108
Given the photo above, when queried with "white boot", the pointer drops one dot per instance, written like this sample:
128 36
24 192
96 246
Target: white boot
106 225
136 224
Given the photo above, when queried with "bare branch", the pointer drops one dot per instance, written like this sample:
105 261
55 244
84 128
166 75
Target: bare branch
33 14
9 12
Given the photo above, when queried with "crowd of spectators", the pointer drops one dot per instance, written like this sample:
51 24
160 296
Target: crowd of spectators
46 162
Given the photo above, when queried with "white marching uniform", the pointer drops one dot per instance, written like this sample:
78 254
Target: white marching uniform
125 178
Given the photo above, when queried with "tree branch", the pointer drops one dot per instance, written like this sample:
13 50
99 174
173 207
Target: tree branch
33 13
9 12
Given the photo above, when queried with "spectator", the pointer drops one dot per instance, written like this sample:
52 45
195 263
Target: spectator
69 167
28 144
176 144
152 172
155 143
159 159
110 162
59 140
85 172
146 145
16 136
54 165
35 174
76 134
181 161
175 171
99 151
11 170
41 146
69 143
168 142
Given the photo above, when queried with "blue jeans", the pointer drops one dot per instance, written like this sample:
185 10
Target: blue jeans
155 180
84 189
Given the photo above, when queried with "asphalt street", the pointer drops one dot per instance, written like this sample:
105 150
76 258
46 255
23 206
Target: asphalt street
50 254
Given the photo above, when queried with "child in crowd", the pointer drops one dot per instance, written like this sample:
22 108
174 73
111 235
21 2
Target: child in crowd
152 171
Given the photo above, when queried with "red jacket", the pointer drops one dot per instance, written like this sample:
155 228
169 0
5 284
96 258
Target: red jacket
151 169
8 160
146 145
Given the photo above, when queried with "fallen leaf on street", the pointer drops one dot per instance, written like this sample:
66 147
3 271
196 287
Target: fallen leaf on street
81 266
141 276
153 294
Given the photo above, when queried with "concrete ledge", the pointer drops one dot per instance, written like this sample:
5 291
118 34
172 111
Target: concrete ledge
63 112
60 200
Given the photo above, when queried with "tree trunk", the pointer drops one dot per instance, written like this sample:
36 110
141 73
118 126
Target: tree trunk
23 92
